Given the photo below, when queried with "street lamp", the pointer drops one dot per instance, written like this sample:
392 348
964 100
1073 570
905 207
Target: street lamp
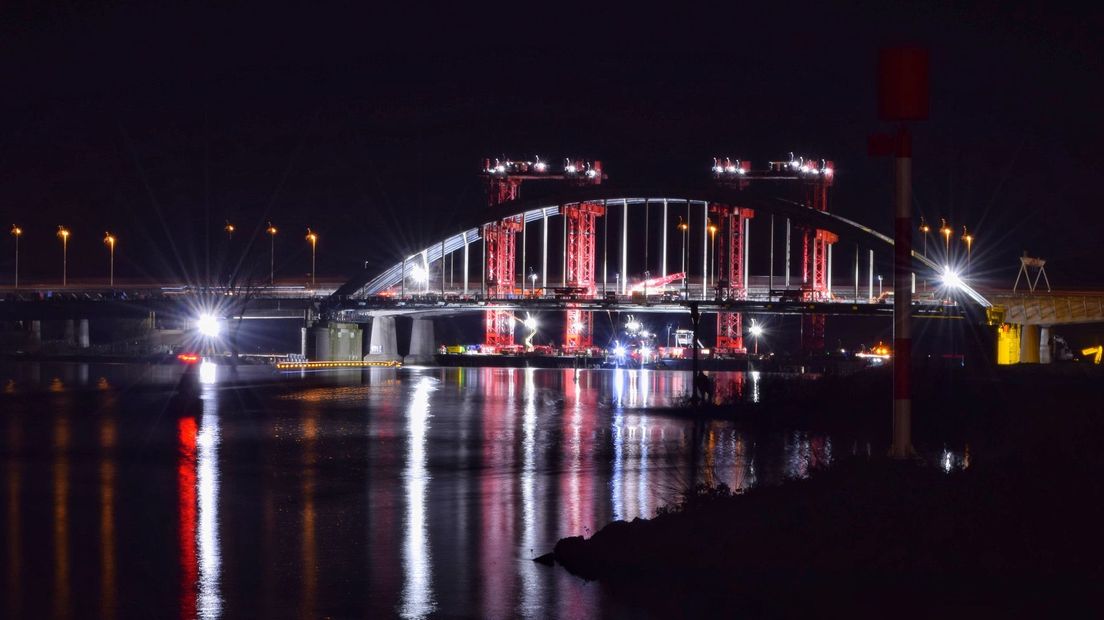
756 330
16 232
312 238
945 230
969 239
109 241
271 230
63 234
879 286
229 228
924 230
685 228
533 281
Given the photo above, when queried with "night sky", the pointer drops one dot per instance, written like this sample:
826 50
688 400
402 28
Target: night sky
369 127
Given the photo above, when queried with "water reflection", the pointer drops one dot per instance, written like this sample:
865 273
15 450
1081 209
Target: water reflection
14 502
61 607
377 493
417 594
107 517
209 604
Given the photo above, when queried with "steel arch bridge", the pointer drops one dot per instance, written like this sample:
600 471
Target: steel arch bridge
451 276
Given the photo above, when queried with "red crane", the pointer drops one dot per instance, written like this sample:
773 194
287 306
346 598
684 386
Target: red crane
817 176
503 180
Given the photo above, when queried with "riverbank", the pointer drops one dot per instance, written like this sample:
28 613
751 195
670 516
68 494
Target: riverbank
1019 527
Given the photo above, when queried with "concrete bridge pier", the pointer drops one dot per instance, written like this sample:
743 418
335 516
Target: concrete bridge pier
70 337
340 342
1044 345
34 336
83 340
1029 344
421 343
383 344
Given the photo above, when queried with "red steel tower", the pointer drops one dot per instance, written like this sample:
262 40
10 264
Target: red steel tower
730 277
503 183
817 176
581 219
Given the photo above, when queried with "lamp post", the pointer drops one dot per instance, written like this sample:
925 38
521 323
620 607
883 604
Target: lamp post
533 281
109 241
969 239
685 228
945 230
312 238
924 230
879 286
63 234
229 228
756 330
16 232
271 230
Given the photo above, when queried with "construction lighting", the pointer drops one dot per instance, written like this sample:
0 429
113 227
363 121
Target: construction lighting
756 329
208 326
950 278
924 228
540 166
419 274
633 325
591 173
530 323
619 350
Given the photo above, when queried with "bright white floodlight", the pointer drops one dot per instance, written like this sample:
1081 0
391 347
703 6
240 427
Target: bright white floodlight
531 323
756 330
951 279
420 275
208 326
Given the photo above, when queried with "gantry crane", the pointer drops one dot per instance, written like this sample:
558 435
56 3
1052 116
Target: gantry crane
503 180
817 177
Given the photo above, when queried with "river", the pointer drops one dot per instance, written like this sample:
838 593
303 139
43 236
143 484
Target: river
412 492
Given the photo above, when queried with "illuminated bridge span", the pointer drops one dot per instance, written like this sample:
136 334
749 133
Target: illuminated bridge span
597 247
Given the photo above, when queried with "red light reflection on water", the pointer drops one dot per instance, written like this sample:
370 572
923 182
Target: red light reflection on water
186 485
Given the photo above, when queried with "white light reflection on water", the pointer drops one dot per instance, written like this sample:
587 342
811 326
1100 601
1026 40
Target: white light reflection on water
754 386
209 596
531 588
417 592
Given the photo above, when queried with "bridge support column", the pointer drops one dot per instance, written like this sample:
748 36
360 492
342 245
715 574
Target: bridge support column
383 344
34 336
83 340
1029 344
70 337
421 343
1044 345
338 342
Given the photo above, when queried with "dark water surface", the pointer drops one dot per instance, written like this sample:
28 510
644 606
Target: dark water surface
412 492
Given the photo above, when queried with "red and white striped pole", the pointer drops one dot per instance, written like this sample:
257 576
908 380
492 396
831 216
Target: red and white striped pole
902 298
902 97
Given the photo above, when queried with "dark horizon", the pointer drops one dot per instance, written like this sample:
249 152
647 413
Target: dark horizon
159 125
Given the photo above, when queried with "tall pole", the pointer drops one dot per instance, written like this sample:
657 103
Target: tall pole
663 252
605 249
271 230
16 232
705 250
524 232
63 234
747 250
109 241
902 303
787 252
770 274
544 251
646 215
625 248
312 237
564 277
870 276
466 244
856 273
